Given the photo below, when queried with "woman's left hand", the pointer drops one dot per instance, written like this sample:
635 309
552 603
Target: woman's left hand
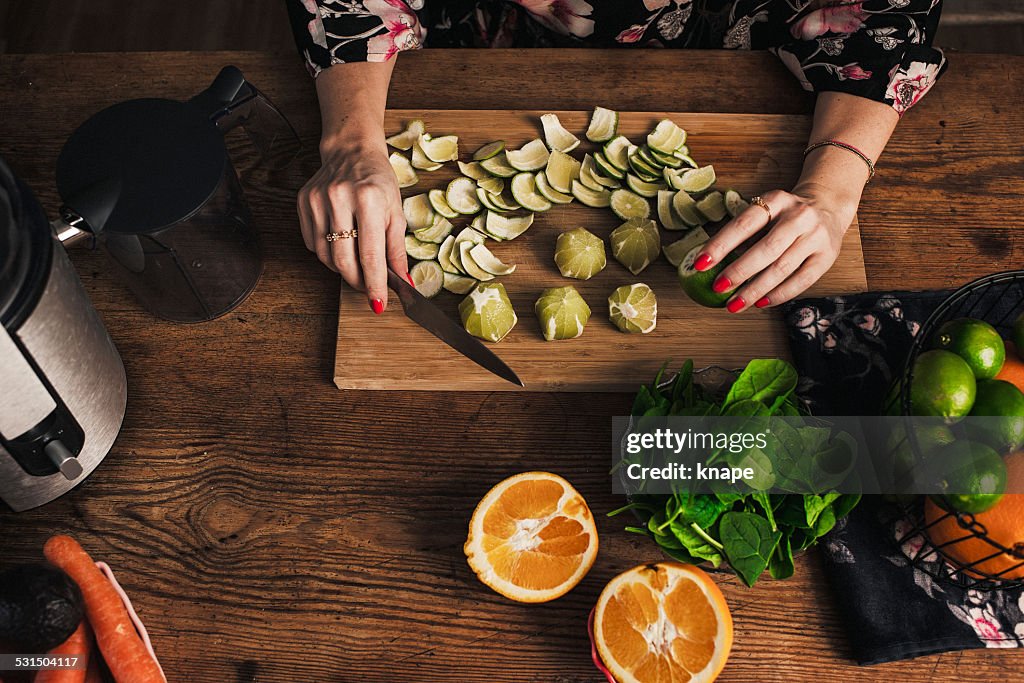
802 242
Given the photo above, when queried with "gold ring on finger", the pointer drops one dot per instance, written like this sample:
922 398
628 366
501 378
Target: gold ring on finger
342 235
764 205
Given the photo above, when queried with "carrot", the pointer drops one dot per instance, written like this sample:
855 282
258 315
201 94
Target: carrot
94 674
78 644
118 641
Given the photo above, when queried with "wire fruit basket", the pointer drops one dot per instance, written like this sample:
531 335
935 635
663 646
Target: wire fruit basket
970 558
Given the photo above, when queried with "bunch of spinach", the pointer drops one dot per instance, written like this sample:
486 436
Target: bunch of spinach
751 530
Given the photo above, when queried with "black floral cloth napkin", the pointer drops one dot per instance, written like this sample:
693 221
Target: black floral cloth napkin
847 350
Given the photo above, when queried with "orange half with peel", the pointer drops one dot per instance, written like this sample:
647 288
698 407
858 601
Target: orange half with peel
663 623
532 537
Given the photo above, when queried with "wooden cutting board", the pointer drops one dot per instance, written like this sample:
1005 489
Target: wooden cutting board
751 153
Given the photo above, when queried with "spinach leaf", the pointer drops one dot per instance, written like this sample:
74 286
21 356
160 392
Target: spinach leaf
696 544
762 380
764 500
749 542
781 564
682 386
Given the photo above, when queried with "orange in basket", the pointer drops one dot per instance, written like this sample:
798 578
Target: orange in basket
1004 523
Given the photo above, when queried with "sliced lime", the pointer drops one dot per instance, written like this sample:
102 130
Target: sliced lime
407 137
469 266
635 244
458 284
666 137
677 251
603 124
505 201
444 255
427 277
483 257
420 160
487 313
507 227
686 208
697 179
461 196
473 170
524 191
712 206
404 172
646 171
616 152
667 216
418 212
607 168
550 193
588 174
492 185
626 204
471 235
556 136
562 313
579 254
633 308
596 198
532 156
735 204
643 188
498 165
486 200
561 170
423 251
670 160
491 149
440 204
437 232
439 150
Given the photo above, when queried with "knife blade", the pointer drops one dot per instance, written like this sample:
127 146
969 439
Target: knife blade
421 311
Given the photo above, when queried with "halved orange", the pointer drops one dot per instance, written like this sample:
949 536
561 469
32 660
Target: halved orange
663 623
532 537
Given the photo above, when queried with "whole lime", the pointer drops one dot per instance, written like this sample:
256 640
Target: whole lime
943 385
697 283
972 476
976 342
999 409
927 434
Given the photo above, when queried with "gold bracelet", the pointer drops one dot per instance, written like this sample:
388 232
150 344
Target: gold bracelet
849 148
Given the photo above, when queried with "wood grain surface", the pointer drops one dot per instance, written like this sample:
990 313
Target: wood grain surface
751 153
272 528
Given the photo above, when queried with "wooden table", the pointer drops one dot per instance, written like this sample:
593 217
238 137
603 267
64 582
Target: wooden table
272 528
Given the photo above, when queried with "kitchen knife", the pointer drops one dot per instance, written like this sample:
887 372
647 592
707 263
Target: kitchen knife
421 311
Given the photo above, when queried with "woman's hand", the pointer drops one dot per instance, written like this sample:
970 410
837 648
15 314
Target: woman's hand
799 244
356 188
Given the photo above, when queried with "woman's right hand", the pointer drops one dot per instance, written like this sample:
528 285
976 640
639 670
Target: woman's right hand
356 189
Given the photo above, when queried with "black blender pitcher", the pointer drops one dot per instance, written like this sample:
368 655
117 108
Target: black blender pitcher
151 181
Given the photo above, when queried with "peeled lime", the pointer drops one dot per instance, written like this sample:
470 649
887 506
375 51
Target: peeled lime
633 308
976 342
697 283
487 313
943 385
635 243
562 313
579 254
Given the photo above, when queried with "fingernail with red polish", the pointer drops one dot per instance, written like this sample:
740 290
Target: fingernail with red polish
409 280
377 305
703 262
762 302
736 304
721 284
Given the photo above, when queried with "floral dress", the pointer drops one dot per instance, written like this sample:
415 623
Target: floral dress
878 49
